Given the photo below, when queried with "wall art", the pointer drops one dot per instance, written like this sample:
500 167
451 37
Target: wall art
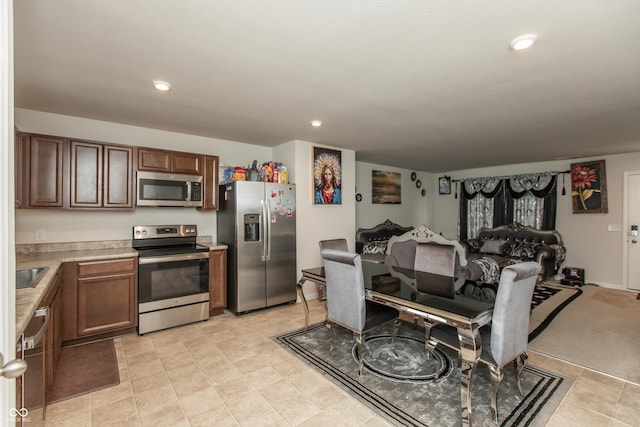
327 176
385 187
589 187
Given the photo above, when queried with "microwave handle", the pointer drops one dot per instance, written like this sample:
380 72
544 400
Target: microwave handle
188 191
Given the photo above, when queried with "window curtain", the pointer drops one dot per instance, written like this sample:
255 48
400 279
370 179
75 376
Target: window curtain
528 199
480 205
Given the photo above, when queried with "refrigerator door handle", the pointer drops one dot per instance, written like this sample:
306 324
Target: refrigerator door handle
267 219
263 230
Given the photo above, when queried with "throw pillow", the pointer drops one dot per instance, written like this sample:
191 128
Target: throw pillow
493 247
374 248
524 250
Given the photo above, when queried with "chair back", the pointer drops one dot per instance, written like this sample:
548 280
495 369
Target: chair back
337 244
345 288
511 311
436 258
402 254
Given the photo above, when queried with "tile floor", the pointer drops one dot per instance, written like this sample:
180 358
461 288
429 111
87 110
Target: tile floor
228 372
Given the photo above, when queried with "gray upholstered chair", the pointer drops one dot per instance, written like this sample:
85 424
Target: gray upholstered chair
346 303
435 258
337 244
402 254
439 259
505 340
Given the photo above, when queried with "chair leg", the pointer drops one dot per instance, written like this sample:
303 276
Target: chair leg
360 341
328 325
521 362
396 326
496 378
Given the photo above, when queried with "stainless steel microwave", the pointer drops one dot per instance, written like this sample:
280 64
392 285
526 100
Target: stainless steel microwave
168 189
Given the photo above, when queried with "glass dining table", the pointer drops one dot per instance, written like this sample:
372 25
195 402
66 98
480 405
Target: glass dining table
431 297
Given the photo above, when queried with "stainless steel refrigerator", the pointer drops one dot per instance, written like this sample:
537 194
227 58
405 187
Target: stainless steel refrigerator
257 220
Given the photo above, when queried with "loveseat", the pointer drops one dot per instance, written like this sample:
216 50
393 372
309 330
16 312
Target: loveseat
495 248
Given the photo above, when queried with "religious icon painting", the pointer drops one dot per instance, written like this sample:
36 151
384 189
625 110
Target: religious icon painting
327 176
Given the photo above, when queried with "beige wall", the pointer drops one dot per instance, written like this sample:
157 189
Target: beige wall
589 243
413 210
80 226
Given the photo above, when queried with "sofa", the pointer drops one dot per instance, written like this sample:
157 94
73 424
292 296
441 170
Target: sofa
495 248
372 242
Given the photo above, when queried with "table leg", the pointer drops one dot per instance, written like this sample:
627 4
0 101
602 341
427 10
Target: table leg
304 300
470 349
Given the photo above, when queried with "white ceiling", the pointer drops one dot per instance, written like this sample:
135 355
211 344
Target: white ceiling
428 85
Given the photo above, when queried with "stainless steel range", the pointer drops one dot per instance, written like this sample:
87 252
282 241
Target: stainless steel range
173 276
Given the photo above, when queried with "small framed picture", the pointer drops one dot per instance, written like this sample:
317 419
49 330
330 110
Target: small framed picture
444 185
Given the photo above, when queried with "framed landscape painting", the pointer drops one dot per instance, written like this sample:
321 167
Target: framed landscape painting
589 187
385 187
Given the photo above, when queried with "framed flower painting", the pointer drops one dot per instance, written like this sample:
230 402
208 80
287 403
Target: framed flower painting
589 187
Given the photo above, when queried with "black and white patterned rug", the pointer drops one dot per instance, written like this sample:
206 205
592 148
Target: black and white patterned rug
397 380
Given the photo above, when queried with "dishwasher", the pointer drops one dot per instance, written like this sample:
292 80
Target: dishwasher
31 348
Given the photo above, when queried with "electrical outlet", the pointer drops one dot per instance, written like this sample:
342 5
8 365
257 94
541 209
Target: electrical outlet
41 235
614 227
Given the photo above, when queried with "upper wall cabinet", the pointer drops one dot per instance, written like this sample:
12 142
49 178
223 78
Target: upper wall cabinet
55 172
40 171
101 175
210 200
150 159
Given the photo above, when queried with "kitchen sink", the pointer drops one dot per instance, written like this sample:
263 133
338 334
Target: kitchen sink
29 278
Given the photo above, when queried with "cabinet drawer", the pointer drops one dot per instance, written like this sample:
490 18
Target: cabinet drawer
111 266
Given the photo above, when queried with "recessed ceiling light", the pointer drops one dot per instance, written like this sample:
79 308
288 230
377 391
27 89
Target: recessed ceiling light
523 42
316 123
162 86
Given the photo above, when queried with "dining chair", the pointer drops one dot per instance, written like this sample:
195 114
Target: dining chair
435 258
439 259
506 338
346 303
337 244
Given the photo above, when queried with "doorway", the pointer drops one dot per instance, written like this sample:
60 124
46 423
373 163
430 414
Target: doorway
630 233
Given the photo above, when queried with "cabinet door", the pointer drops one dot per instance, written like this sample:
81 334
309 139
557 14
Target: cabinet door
217 280
118 177
210 184
46 162
21 168
154 160
106 303
86 175
187 163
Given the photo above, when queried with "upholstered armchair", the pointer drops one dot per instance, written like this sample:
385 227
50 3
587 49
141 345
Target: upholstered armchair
346 303
505 340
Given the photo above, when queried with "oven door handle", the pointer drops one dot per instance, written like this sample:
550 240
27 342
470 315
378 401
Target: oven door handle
171 258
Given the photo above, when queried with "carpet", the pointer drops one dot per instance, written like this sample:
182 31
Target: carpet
85 368
598 331
396 382
548 300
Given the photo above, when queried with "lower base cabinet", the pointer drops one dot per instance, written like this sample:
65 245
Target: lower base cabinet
217 281
100 297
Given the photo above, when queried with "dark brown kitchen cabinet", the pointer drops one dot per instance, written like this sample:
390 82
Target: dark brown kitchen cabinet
100 296
53 336
217 281
41 171
210 199
101 175
150 159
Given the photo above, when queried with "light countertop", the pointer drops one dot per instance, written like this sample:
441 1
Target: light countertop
27 299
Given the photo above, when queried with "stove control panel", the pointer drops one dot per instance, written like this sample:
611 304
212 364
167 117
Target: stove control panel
164 231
